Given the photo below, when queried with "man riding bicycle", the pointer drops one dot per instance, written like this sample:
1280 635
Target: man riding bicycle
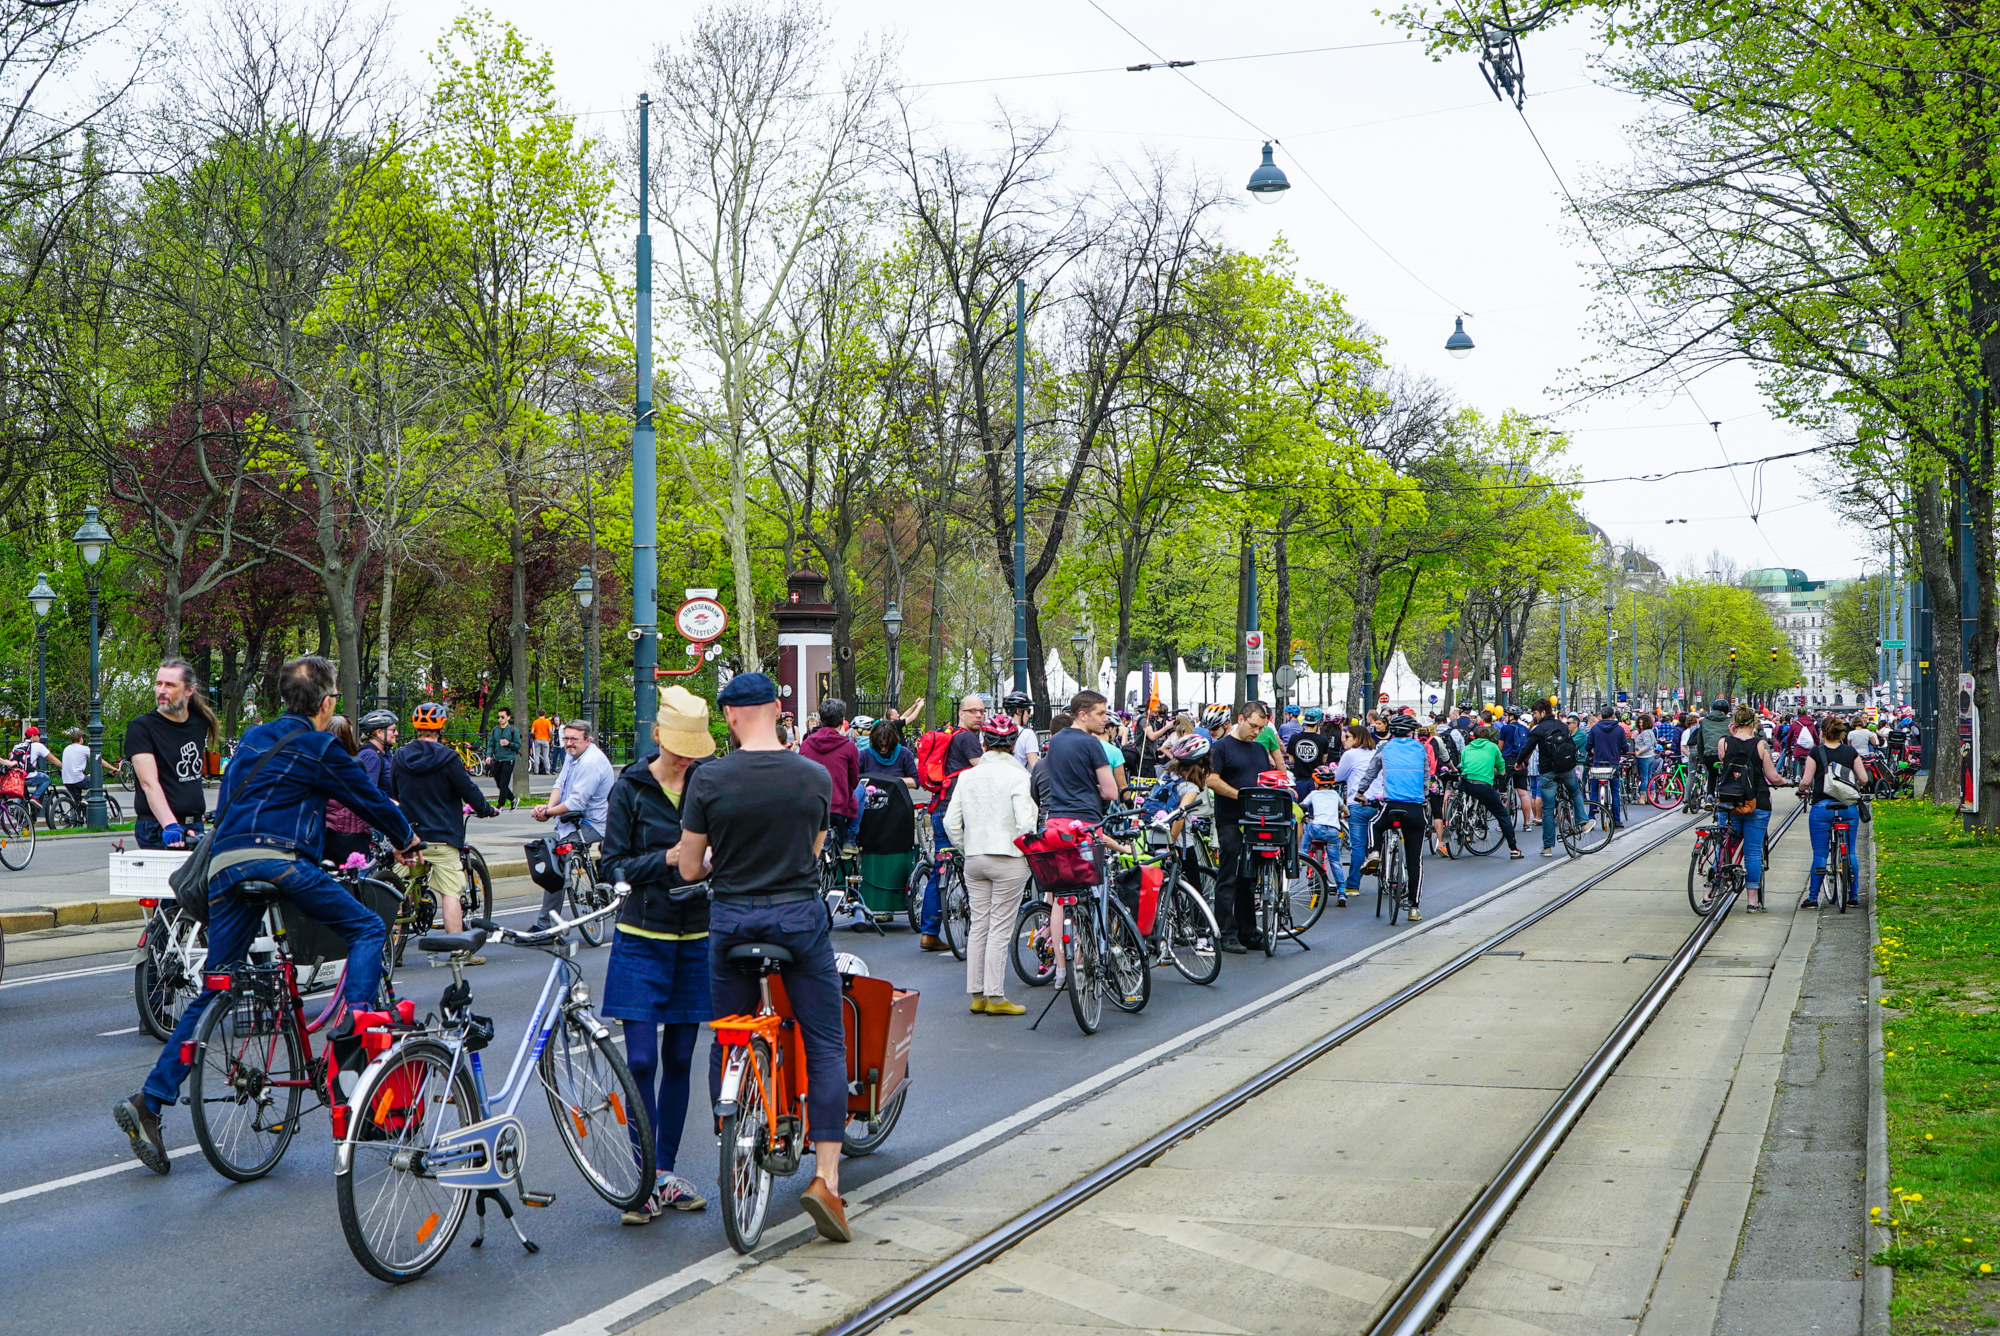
762 810
269 820
1556 754
1400 772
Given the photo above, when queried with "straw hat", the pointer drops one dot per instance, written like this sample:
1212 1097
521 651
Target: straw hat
682 725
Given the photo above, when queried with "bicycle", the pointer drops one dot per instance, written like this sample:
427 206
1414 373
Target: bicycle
954 905
1270 844
250 1062
1837 884
1469 826
1582 832
1669 786
761 1109
1184 932
1715 867
421 1137
1103 953
166 966
1392 876
582 892
17 834
420 912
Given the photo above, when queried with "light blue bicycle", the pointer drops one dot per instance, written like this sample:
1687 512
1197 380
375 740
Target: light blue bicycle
420 1137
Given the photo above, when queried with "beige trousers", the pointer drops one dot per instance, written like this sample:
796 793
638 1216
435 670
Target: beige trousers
993 888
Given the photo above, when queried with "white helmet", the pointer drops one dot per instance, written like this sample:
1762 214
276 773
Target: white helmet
849 963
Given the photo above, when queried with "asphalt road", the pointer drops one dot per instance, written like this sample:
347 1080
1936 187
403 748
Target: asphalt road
192 1252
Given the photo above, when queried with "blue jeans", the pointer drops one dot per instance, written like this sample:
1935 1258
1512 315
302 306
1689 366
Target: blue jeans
1750 829
233 925
1360 816
927 917
1824 813
1327 836
1647 765
148 833
812 985
1569 782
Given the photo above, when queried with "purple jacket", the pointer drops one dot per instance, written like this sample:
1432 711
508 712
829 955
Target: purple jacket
835 750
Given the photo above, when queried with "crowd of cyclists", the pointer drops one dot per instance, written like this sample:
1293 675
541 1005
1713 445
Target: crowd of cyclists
722 855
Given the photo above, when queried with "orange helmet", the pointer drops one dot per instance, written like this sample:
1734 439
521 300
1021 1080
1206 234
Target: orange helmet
429 715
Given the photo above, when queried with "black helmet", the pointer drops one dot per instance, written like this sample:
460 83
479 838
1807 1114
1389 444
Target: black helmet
1402 725
376 720
1017 700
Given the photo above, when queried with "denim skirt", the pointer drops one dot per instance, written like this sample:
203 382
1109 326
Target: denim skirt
665 983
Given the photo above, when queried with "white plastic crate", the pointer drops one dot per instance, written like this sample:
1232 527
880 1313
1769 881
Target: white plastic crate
143 874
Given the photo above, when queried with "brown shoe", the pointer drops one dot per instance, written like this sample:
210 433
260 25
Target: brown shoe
932 942
827 1211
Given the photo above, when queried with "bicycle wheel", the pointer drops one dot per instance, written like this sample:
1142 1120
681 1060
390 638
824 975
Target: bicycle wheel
398 1219
1034 949
17 835
913 906
955 911
477 897
1395 873
242 1120
114 811
1306 898
745 1184
1128 978
1190 934
1086 996
1837 871
59 810
1701 874
864 1135
580 898
598 1112
1592 829
415 919
1270 896
162 982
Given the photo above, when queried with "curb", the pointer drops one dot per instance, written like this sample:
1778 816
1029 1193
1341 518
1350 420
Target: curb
1877 1282
122 909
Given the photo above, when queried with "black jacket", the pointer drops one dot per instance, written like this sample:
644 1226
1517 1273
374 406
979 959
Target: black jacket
639 827
434 790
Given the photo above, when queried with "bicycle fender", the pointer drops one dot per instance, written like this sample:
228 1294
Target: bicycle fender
732 1081
487 1155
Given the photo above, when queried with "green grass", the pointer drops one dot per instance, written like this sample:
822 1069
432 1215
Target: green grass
1939 958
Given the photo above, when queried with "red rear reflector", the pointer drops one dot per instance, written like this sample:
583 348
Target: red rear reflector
187 1053
215 983
339 1122
149 904
376 1041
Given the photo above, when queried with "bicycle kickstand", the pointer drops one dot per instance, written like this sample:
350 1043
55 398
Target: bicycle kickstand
1053 995
500 1200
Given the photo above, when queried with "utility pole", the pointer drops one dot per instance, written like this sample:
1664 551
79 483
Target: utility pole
645 483
1020 486
1562 653
1506 691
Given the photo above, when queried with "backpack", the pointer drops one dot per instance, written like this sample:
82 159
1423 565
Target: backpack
1736 778
931 749
1559 753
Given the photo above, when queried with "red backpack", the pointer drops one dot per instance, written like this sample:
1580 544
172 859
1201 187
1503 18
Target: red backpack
931 749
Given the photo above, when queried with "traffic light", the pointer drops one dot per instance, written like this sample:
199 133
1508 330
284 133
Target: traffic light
1732 656
1774 656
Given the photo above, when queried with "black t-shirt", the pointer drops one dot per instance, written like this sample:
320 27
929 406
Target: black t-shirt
1747 750
1844 754
966 746
761 811
1238 763
179 750
1307 752
1071 762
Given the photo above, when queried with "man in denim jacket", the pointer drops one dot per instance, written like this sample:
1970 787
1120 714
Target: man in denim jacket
271 832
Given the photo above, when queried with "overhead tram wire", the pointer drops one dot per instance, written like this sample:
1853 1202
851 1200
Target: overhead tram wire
1303 170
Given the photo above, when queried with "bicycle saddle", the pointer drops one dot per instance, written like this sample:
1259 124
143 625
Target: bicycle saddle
262 893
453 941
750 957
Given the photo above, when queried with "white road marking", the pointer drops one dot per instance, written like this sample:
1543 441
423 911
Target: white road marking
106 1034
1126 1307
68 974
1344 1281
724 1263
38 1189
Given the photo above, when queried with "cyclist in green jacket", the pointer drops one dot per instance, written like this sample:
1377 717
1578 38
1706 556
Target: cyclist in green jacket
1480 765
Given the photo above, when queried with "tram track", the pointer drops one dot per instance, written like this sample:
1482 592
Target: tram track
1419 1301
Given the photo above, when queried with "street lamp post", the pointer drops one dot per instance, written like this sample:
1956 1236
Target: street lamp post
585 590
42 598
1076 642
892 630
1610 639
91 540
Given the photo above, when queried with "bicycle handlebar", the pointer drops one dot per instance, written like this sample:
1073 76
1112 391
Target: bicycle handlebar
559 926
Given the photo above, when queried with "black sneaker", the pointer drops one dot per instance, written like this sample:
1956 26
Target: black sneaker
141 1124
1232 946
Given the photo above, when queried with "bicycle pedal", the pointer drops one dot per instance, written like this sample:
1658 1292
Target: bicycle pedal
529 1198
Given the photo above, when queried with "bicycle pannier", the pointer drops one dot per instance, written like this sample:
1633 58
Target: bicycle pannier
544 865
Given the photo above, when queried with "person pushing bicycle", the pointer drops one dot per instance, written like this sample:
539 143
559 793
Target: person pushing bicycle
434 789
268 824
760 813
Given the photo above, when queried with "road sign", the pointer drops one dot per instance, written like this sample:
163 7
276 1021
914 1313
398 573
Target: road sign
1382 699
1506 677
1895 644
701 620
1253 652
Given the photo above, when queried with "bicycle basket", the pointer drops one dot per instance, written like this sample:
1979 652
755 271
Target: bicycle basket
1062 855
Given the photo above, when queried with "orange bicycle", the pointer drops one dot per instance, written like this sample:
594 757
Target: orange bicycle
761 1107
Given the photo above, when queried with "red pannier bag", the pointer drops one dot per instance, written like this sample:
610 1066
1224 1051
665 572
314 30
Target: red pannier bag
1062 855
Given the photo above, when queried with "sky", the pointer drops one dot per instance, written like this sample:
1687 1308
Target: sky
1415 193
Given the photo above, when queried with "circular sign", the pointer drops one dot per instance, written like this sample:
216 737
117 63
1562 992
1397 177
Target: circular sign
1285 676
1383 699
701 620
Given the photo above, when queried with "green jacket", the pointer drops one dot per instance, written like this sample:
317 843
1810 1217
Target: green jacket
504 743
1480 761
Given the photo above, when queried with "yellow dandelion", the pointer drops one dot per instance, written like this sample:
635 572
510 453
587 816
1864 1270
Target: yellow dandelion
1986 1268
1914 1196
1928 1137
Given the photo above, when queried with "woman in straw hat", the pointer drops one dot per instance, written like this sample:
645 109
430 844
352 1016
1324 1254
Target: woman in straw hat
657 978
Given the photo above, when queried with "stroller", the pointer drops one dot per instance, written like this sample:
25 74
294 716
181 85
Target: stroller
888 843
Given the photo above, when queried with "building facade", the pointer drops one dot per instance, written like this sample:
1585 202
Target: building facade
1799 606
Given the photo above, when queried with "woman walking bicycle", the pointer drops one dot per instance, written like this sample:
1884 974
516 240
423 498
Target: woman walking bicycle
1745 775
1823 772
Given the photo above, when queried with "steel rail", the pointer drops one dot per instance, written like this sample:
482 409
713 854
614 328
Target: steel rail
1440 1274
983 1250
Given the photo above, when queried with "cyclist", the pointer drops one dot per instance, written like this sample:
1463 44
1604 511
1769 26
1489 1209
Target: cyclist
886 758
1646 752
33 755
578 801
1292 726
1745 772
166 750
656 982
1480 768
1354 759
1709 733
1556 753
1834 750
378 741
503 749
1512 737
1396 778
1609 745
761 812
1324 818
1307 751
274 836
434 790
1443 774
1235 761
830 746
1020 707
76 766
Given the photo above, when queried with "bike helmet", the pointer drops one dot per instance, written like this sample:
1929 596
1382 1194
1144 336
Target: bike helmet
429 715
1402 725
1193 747
1273 779
999 728
1017 700
1325 777
862 722
1314 714
375 721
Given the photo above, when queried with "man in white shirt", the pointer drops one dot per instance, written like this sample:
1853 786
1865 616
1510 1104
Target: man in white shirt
76 765
1028 744
580 800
